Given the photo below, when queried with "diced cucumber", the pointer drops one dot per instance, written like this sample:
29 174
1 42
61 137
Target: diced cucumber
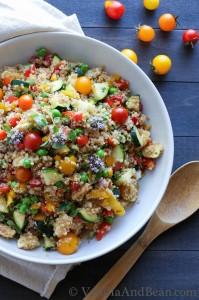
136 138
56 85
3 205
51 176
56 59
45 229
19 218
49 244
69 87
56 103
125 177
88 217
118 153
100 90
20 83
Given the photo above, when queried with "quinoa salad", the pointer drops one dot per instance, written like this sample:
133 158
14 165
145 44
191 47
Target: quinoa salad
74 143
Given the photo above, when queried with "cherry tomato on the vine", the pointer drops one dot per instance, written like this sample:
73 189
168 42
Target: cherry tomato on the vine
83 85
167 22
114 9
145 33
130 54
190 37
151 4
25 102
161 64
32 141
119 114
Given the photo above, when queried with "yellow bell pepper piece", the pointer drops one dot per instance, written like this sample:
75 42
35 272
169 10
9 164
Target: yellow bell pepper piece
45 138
69 93
66 167
109 160
107 200
57 158
2 106
63 151
39 217
72 158
23 186
10 197
53 77
116 76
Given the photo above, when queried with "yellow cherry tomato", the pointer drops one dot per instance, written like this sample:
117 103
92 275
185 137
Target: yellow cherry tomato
151 4
68 244
83 85
161 64
130 54
145 33
167 22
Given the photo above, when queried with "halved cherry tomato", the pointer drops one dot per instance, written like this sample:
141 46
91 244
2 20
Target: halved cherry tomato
11 99
32 141
6 81
114 9
122 84
138 160
57 67
145 33
68 244
190 37
25 102
47 60
71 114
13 121
4 188
149 163
104 228
135 120
82 140
74 186
23 174
3 135
119 114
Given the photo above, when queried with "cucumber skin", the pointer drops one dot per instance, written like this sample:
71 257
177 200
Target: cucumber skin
86 217
17 216
118 153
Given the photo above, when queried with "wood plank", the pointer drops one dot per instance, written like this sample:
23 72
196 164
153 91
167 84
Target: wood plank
181 100
154 270
185 59
92 13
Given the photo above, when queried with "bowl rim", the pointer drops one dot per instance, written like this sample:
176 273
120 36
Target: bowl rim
170 155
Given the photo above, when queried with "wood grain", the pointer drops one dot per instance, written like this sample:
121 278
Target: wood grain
93 14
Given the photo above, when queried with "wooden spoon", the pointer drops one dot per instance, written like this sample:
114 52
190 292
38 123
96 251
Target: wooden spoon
180 201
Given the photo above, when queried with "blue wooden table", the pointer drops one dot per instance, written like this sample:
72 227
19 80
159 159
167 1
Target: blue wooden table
169 269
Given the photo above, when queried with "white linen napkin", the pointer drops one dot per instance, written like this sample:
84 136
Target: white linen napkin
15 20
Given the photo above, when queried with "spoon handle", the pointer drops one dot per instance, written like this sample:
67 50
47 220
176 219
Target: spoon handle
113 277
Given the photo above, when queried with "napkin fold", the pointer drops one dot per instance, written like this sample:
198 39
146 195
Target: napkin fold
18 18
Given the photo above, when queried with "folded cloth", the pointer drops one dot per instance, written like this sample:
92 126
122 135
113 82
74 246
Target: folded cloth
15 21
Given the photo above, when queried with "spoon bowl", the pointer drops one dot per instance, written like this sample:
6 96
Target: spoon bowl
179 202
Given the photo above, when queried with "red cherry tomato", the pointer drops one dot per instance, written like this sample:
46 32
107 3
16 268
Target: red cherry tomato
114 9
4 188
190 37
74 186
32 141
104 228
20 146
108 213
122 84
25 102
13 122
3 135
23 174
11 99
35 182
119 114
82 140
135 120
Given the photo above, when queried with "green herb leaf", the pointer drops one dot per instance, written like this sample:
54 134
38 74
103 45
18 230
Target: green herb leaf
58 146
7 128
72 136
55 129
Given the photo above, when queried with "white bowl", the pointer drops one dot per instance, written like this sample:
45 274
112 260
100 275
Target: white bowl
152 186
